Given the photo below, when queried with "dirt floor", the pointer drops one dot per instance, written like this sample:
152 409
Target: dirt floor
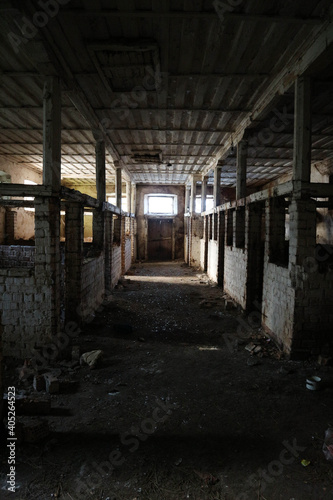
178 408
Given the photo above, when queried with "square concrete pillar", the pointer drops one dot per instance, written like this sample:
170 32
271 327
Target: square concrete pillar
52 133
217 186
241 170
302 243
47 261
204 193
302 130
74 230
108 245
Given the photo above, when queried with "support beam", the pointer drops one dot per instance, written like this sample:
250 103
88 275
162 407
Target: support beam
118 187
187 199
100 171
74 229
193 194
241 169
236 16
129 196
302 130
217 186
98 219
315 47
52 134
204 193
133 195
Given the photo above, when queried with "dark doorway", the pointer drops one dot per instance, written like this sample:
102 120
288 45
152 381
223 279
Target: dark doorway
256 247
160 239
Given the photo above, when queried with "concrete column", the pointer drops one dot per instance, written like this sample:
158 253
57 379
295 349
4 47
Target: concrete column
1 380
123 243
108 221
217 186
118 187
193 194
98 220
100 171
302 232
302 130
74 231
133 195
129 196
187 199
10 226
47 264
204 193
52 134
241 170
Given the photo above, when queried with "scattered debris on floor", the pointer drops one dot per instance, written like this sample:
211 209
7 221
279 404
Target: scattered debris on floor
91 358
328 444
176 397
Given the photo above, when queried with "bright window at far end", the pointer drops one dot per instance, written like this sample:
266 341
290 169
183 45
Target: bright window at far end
160 204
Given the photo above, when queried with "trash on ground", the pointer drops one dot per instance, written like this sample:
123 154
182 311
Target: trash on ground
250 347
328 444
91 358
313 383
208 478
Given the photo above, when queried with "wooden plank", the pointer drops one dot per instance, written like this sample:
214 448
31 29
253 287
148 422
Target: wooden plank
22 190
236 16
241 169
100 171
17 203
313 47
118 187
72 194
302 133
144 14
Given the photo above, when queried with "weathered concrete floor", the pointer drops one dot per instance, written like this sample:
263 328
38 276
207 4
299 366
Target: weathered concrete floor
178 409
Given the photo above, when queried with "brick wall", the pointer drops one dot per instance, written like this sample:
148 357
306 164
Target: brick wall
235 274
25 306
17 256
128 254
196 232
278 304
116 264
213 260
314 311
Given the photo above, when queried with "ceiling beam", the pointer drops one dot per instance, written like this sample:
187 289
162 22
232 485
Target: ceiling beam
73 90
237 16
178 110
313 47
144 14
200 131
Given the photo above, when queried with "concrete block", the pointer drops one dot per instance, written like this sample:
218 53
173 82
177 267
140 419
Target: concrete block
51 383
